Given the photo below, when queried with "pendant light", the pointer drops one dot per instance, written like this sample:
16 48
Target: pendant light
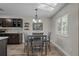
36 18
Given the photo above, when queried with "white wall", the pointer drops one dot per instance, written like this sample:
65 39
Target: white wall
68 44
46 25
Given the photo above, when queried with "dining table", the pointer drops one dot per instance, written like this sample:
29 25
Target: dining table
42 38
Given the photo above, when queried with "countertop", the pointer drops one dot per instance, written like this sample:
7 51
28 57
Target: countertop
1 38
10 32
13 32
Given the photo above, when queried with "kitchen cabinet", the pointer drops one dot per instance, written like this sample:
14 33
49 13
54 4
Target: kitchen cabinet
13 38
3 22
0 22
11 22
17 22
8 22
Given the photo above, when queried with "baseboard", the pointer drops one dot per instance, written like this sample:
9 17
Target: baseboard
61 49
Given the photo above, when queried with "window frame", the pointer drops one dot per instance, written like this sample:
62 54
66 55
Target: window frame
63 31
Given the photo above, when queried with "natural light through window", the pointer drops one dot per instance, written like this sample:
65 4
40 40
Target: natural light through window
62 25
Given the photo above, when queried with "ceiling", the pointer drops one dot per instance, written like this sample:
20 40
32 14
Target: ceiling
26 10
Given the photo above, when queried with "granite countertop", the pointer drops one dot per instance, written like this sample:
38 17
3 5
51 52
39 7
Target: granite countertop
1 38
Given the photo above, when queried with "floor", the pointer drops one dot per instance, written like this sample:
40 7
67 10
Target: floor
18 50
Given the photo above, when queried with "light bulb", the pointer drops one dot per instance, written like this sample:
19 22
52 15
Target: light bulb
39 21
34 21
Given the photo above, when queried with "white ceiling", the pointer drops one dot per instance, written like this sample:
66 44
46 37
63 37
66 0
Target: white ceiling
26 10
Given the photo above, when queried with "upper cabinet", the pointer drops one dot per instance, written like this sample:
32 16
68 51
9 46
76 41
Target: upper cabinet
17 22
11 22
0 22
8 22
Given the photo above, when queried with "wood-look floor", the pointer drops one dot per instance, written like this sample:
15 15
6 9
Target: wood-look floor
18 50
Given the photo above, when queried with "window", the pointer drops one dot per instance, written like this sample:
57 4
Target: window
59 26
62 25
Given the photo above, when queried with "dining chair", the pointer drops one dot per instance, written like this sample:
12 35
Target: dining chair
37 44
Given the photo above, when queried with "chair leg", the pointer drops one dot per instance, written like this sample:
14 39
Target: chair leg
46 48
49 47
28 51
41 50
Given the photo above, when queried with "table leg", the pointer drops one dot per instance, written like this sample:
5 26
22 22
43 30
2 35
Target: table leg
45 48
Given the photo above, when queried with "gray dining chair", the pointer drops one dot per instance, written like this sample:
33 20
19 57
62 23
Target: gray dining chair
37 44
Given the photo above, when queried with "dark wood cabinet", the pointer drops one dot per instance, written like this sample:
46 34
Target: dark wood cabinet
13 38
17 22
11 22
8 22
0 22
3 22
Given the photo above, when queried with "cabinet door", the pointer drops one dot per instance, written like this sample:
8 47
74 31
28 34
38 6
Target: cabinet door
8 22
4 22
0 22
13 38
19 23
14 22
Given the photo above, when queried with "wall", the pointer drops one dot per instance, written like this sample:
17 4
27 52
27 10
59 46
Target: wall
69 45
78 30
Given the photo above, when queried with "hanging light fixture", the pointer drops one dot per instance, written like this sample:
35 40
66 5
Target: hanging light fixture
36 18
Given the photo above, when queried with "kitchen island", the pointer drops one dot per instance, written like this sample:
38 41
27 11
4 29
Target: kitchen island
3 46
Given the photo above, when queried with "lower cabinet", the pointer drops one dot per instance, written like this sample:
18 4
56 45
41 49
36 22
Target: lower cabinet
14 38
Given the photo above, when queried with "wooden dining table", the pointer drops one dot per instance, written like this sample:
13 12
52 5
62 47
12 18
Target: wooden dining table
43 38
